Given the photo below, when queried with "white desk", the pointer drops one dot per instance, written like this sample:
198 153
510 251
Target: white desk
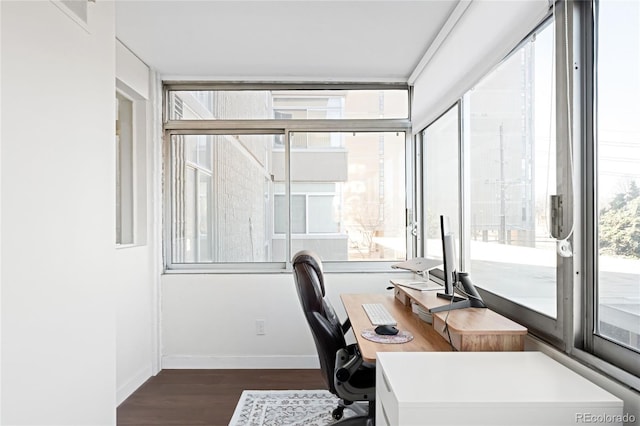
487 388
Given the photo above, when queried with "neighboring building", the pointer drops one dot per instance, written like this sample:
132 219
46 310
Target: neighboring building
503 204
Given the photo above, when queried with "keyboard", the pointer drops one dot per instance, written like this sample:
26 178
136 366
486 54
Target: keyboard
378 314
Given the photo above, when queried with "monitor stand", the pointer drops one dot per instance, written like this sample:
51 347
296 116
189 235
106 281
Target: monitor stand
473 301
450 296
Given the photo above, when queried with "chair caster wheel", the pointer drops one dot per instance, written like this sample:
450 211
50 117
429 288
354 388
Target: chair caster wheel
337 413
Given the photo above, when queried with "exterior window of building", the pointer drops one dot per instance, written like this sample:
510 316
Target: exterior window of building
616 325
312 207
511 174
441 186
247 193
347 209
124 170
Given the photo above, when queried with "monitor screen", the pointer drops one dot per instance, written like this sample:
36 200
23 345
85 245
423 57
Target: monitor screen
448 256
453 277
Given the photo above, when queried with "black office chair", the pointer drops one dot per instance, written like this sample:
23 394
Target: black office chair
345 373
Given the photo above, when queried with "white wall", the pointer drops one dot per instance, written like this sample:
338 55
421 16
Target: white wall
209 321
57 229
135 326
135 273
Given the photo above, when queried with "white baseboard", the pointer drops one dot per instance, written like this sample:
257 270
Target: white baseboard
125 390
230 362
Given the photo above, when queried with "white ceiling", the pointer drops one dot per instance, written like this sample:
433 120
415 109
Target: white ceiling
282 40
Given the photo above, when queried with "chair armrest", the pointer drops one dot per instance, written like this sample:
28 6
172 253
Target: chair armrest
349 365
346 364
346 325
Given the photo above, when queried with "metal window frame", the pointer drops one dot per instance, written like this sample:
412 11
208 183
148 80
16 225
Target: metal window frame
551 329
225 127
607 355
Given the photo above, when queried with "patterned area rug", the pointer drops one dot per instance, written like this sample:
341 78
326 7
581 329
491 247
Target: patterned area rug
295 408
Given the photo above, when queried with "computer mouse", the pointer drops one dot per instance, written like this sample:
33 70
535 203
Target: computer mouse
386 330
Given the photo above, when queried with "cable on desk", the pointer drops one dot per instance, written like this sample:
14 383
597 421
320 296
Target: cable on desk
460 289
446 327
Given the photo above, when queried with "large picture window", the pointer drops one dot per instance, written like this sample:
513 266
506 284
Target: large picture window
308 176
512 173
616 325
539 162
489 164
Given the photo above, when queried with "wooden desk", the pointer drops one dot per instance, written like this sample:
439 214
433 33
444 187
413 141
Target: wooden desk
471 329
425 338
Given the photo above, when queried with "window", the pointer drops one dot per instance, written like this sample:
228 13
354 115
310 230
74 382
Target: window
130 166
489 164
441 183
362 216
223 190
124 170
510 142
616 323
512 173
257 175
314 206
296 103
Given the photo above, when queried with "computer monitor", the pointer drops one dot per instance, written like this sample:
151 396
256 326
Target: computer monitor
452 277
449 260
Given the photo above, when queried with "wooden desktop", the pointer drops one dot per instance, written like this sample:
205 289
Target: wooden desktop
425 338
468 329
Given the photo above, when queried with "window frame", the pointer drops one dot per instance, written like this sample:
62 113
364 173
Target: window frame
547 327
608 355
137 210
125 158
421 201
553 330
283 127
573 330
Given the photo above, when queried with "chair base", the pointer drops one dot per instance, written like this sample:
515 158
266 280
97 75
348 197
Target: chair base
356 421
359 408
367 418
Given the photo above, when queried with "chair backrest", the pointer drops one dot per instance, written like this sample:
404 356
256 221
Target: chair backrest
323 321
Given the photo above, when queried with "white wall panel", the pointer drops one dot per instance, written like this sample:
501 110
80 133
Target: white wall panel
209 321
58 203
135 277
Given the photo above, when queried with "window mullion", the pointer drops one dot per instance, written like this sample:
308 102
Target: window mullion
288 196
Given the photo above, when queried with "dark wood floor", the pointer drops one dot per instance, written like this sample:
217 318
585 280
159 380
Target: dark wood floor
204 397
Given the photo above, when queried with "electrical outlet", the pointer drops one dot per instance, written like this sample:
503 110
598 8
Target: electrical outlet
260 327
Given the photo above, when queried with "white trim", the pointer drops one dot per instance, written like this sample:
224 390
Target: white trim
131 385
444 32
240 362
154 119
